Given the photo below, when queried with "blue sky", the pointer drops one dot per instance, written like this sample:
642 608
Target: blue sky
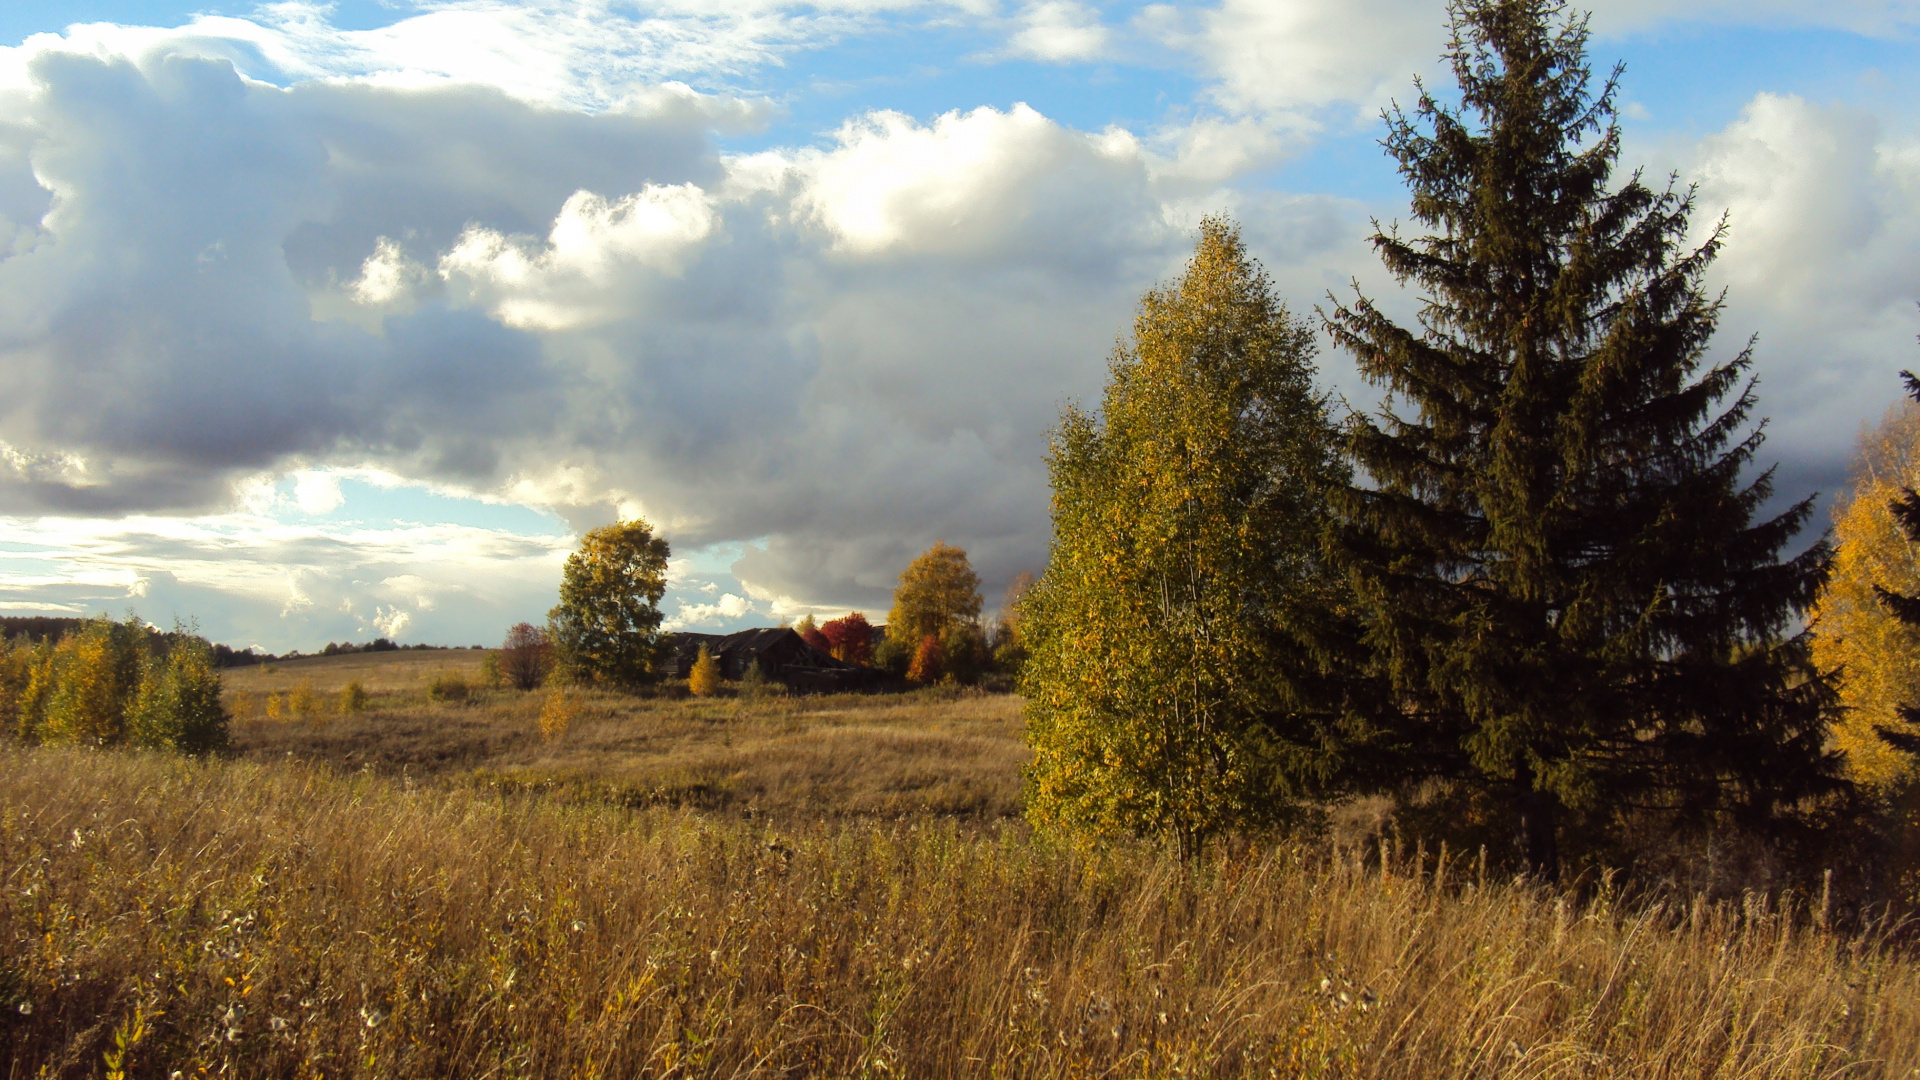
319 322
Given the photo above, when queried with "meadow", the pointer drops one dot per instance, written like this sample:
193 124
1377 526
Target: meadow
930 752
849 895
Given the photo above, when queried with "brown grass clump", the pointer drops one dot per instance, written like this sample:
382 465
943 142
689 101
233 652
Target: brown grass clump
286 920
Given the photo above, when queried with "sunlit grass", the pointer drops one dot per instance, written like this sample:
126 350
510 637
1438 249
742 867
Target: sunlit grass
286 920
849 755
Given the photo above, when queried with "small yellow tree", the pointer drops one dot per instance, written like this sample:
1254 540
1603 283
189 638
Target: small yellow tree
353 698
302 700
704 679
557 715
1877 655
96 674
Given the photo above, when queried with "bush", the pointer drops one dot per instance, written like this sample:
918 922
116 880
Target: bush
490 676
526 657
558 714
302 700
704 680
448 686
894 653
179 705
929 661
850 638
353 698
753 682
963 652
241 707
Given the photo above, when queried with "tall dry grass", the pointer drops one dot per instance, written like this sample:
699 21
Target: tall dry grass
249 919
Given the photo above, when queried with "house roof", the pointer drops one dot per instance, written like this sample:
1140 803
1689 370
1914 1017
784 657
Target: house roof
756 643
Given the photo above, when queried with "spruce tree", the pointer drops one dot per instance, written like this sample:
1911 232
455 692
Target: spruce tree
1555 544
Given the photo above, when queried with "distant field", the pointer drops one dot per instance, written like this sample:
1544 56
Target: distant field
849 755
387 672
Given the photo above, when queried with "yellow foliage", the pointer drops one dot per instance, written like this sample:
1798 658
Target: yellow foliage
705 677
558 714
937 590
1877 655
90 689
1185 520
302 700
18 659
274 709
606 628
353 698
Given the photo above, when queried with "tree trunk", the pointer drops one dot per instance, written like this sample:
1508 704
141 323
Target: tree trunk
1539 834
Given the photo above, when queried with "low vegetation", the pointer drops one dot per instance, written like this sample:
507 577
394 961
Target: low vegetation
163 916
946 752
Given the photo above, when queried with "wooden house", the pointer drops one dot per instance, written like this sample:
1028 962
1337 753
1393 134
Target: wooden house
783 655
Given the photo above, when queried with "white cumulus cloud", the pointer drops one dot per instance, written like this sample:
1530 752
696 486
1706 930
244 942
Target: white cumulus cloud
1060 31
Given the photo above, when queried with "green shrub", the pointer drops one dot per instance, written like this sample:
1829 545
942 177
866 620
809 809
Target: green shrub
448 686
490 676
179 707
353 698
753 682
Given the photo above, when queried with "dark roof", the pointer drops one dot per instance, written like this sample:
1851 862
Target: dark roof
777 646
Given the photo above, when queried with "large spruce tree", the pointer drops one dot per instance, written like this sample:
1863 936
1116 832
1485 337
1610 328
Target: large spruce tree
1555 539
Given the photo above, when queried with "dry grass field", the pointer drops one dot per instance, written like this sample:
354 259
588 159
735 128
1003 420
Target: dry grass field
164 918
799 887
929 752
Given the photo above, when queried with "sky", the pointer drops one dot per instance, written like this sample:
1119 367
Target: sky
320 322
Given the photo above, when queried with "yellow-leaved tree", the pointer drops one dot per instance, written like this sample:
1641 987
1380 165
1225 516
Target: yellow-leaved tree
938 597
704 679
606 628
96 675
1854 631
1169 679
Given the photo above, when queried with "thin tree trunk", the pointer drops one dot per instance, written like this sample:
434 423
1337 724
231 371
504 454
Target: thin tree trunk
1539 834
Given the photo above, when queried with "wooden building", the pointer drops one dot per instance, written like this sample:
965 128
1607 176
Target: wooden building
783 655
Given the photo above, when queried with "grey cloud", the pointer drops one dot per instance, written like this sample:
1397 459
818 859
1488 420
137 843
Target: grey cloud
1822 262
851 360
159 327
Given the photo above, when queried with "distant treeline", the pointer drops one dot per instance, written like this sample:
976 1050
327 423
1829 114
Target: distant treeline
55 628
38 627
